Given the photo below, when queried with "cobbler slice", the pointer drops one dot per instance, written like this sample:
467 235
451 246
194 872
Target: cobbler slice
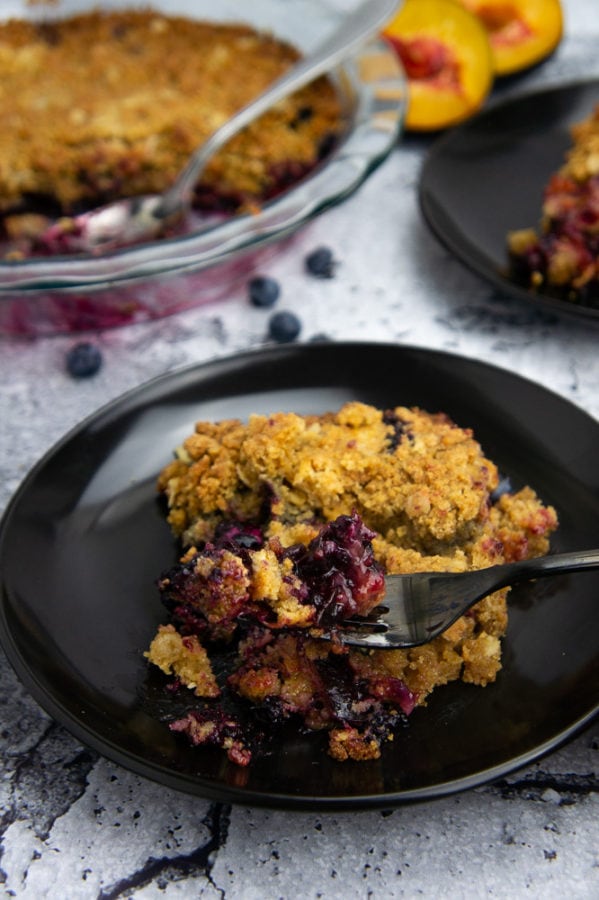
561 258
289 523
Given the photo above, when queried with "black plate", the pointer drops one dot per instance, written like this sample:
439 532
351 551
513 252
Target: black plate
84 538
487 176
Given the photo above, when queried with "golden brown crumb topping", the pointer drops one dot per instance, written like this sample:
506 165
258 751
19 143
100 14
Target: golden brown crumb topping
104 104
582 160
415 478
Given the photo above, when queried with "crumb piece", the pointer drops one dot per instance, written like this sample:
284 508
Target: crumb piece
275 583
482 659
349 743
185 658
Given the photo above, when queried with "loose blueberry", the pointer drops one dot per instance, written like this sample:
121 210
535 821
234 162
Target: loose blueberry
83 359
321 263
284 327
263 291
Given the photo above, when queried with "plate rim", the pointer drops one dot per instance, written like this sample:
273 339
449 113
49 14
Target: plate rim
198 785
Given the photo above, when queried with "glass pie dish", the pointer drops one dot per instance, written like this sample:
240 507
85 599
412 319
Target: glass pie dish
58 294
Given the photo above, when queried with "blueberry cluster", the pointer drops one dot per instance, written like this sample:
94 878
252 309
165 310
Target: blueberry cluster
263 292
84 359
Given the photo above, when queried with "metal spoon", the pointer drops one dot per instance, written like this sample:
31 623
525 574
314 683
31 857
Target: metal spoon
137 219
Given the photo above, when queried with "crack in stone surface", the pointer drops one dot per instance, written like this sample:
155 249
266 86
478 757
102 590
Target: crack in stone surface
47 779
491 320
567 788
167 869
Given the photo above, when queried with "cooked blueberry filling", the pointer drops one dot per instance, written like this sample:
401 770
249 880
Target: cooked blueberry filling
353 702
339 570
335 574
400 429
237 536
48 32
213 727
304 114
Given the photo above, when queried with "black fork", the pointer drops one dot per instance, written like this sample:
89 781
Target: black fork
416 608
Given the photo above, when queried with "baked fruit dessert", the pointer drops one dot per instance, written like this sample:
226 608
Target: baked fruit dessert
289 523
107 104
560 258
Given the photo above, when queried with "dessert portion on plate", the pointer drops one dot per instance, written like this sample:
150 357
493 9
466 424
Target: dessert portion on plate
287 524
107 104
561 257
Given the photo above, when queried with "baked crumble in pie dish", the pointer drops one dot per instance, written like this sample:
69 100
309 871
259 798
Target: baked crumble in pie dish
126 118
561 257
126 98
287 525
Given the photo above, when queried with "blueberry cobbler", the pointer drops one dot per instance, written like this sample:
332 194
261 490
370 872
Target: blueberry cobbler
109 104
562 258
288 524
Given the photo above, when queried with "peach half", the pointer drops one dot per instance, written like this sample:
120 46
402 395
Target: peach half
446 53
522 32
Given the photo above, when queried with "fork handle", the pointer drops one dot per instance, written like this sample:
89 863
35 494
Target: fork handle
525 570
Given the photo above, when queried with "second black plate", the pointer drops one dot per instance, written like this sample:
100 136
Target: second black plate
486 178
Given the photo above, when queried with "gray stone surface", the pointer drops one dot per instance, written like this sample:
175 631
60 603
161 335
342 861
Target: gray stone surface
74 825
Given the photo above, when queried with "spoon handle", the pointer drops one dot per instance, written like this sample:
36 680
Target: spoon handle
369 17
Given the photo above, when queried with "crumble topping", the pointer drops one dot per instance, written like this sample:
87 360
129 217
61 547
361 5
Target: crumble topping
561 257
288 523
107 104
